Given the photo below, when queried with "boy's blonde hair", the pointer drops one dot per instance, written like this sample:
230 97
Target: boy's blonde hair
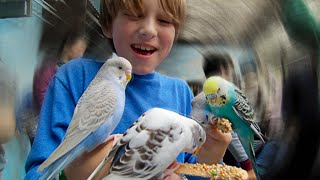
110 8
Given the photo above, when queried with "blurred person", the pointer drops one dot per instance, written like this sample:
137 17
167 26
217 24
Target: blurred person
7 115
301 95
265 92
303 26
73 47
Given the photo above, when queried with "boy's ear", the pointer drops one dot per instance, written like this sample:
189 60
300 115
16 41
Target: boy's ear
107 33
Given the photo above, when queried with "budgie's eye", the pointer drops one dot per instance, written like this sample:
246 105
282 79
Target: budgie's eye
119 67
200 139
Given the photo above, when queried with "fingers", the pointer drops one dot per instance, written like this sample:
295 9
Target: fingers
114 138
217 135
170 174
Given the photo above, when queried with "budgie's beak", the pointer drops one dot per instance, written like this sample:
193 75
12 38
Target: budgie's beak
128 74
195 152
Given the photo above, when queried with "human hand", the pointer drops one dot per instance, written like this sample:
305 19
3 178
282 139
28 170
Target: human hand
84 165
215 146
251 175
170 174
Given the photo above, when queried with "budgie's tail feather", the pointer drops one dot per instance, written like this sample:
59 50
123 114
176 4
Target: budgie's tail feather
253 161
54 169
257 132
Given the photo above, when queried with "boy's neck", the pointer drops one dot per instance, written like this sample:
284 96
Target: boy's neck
144 76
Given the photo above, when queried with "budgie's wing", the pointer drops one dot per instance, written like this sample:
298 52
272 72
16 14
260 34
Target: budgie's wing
242 108
95 105
200 109
143 156
127 136
199 101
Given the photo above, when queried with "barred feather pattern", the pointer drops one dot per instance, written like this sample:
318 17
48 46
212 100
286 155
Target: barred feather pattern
242 107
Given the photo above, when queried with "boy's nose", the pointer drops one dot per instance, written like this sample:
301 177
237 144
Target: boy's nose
148 29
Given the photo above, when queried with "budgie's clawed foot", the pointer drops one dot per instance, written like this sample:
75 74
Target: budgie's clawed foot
224 125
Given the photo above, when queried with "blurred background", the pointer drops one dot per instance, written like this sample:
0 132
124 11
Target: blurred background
272 48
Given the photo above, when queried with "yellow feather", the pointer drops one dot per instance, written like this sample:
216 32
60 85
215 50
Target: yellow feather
211 85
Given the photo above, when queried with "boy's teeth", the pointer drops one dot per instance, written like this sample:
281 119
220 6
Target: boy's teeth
137 46
143 48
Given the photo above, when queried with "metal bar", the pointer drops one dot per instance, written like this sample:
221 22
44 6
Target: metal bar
42 18
48 9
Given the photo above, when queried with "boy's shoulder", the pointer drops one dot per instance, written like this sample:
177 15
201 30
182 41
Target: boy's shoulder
83 62
181 84
172 79
79 66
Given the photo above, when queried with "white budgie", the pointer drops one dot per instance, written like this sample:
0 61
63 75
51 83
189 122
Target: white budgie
152 143
96 115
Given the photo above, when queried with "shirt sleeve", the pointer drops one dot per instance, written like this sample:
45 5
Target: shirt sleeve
236 149
55 116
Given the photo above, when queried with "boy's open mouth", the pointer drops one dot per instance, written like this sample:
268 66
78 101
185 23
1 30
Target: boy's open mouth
143 50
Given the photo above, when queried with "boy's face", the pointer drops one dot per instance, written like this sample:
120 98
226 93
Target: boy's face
145 40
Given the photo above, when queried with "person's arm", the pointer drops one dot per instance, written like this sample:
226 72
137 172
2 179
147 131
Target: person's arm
238 152
214 148
7 119
7 106
87 163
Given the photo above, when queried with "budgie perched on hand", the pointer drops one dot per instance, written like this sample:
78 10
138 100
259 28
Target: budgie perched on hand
153 143
225 100
202 114
96 114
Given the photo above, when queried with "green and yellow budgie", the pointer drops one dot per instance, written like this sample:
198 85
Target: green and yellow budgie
227 101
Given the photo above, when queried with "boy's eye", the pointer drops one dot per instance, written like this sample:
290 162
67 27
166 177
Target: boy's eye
133 17
165 21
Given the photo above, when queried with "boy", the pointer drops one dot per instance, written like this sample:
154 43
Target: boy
143 32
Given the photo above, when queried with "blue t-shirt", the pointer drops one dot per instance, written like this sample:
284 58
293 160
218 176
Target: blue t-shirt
71 80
